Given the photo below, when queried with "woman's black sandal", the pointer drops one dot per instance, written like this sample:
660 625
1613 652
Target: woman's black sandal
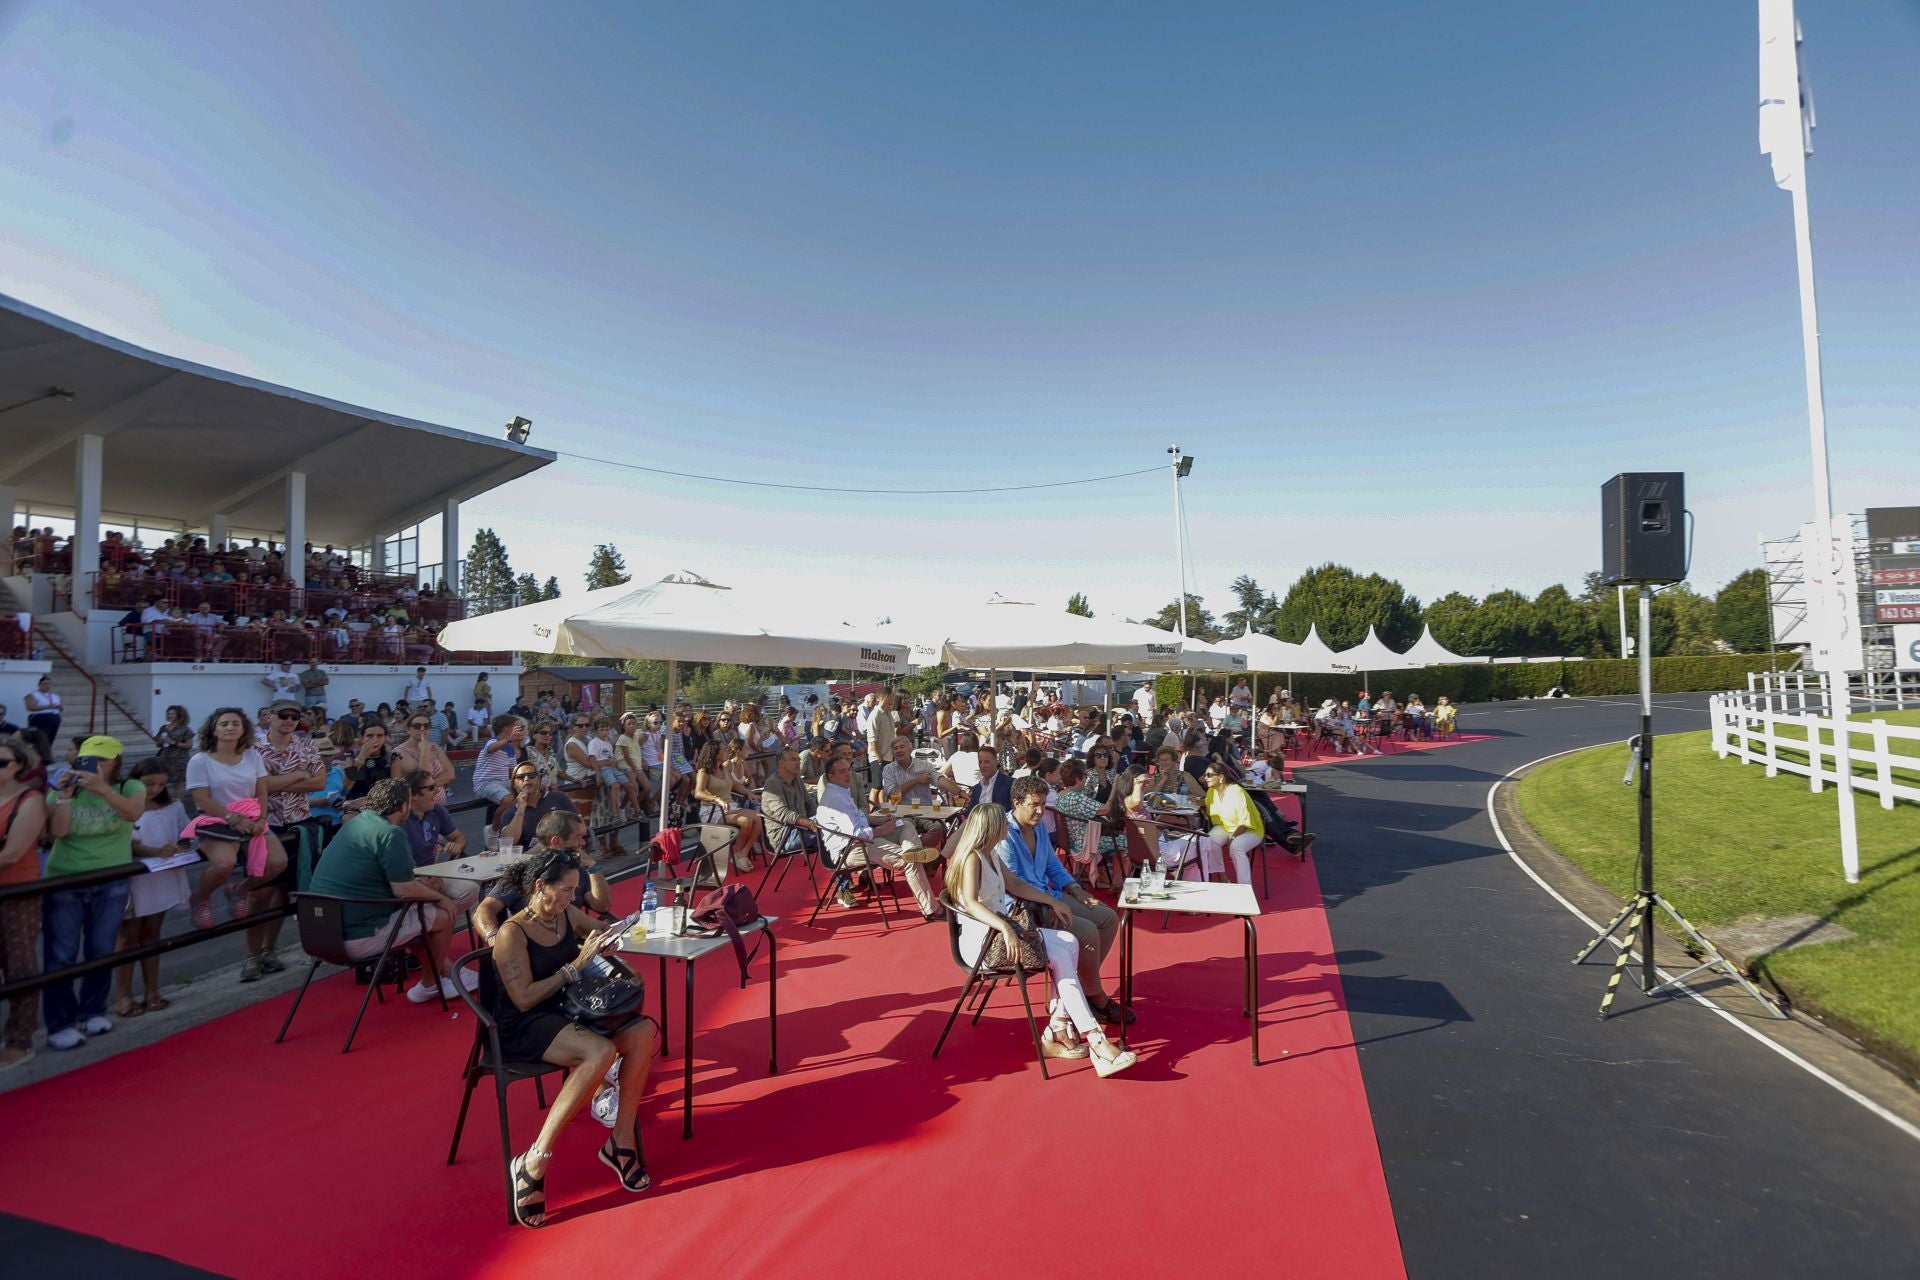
627 1165
1114 1014
529 1195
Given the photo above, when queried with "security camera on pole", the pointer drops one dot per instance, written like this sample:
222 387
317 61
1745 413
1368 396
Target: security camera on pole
1644 544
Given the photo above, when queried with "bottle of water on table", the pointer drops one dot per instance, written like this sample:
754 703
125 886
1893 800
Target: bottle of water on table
650 909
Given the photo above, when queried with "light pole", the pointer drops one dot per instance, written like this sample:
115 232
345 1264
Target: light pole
1182 464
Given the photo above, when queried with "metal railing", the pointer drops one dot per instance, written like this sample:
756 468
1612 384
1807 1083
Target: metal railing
223 644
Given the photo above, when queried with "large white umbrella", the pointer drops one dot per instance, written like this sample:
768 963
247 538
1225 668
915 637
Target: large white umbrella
682 617
1317 659
1428 652
1004 635
1200 655
1372 654
1265 653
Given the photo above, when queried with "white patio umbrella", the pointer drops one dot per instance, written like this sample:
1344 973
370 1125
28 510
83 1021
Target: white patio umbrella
1265 653
682 617
1428 652
1372 654
1317 659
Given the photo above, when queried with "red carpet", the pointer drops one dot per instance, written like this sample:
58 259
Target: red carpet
1394 747
863 1158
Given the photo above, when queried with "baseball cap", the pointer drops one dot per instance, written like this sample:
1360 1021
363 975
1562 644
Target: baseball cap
285 704
103 747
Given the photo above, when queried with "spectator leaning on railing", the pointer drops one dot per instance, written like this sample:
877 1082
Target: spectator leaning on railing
23 817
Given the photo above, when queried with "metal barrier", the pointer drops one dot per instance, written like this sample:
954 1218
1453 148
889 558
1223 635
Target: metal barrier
160 946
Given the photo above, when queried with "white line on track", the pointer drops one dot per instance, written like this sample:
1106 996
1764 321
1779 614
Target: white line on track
1897 1122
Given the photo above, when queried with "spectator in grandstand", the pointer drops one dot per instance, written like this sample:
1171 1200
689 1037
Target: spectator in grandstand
482 692
542 754
175 736
91 821
313 684
493 770
156 834
531 800
622 788
23 817
419 689
226 771
43 709
294 772
371 760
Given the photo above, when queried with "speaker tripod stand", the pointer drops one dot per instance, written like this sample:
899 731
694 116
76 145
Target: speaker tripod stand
1637 915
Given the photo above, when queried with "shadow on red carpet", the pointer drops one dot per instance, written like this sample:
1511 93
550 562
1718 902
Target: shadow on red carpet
219 1149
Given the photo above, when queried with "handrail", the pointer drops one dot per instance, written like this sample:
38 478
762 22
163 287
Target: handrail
95 721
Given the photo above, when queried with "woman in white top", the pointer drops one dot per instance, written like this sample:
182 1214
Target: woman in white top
224 771
984 895
156 834
43 710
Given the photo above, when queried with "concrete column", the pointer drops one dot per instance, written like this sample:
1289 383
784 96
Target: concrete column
88 466
296 528
9 495
379 557
217 535
450 548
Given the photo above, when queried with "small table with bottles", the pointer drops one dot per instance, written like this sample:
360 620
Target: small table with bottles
689 950
1187 898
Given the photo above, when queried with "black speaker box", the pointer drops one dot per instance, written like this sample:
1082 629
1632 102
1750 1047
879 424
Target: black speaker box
1643 536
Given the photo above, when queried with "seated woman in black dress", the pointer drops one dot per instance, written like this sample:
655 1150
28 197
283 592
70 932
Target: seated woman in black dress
537 952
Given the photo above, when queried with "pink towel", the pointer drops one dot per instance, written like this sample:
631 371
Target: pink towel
257 847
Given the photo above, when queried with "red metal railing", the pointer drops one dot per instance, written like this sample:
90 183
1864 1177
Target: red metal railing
378 595
177 642
16 641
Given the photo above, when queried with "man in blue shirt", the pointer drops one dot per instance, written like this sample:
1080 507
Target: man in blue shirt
1027 853
432 837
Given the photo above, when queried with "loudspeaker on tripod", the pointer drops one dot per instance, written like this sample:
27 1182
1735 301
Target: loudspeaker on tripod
1642 527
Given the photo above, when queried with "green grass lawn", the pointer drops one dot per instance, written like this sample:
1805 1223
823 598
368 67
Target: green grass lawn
1732 845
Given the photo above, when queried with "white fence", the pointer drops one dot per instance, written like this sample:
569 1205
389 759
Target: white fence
1792 730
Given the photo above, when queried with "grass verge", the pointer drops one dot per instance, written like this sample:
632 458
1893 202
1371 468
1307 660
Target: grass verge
1732 845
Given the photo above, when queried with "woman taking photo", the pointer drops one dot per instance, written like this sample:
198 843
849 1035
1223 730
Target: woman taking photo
416 751
23 816
538 951
985 896
713 789
91 821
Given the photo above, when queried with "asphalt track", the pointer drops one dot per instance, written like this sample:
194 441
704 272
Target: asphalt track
1520 1136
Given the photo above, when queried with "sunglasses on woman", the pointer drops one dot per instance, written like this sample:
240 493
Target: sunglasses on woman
525 777
9 759
416 724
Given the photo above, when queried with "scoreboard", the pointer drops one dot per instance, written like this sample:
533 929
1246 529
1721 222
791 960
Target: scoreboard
1893 538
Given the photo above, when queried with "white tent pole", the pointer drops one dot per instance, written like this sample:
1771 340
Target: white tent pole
1109 716
667 774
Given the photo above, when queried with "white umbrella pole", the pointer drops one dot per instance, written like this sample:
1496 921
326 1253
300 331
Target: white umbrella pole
667 774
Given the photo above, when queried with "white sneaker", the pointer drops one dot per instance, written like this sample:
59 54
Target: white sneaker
67 1038
422 992
98 1025
468 979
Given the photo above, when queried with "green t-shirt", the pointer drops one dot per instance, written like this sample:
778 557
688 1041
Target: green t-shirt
367 858
96 835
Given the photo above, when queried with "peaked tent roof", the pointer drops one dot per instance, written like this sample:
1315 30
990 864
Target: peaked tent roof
1372 654
1317 659
1428 652
1199 655
1015 636
1265 653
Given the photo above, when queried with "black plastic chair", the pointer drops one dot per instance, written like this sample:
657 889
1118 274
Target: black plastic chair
845 876
486 1058
804 849
987 980
323 936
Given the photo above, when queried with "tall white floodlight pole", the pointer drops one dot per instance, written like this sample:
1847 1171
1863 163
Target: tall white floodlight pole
1181 465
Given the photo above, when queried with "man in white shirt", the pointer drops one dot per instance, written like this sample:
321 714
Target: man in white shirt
1002 703
1241 696
1143 702
418 689
851 841
282 683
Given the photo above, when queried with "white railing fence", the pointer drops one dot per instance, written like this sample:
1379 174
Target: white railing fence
1765 726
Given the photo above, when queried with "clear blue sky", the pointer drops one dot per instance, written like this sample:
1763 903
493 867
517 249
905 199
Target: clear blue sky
1410 279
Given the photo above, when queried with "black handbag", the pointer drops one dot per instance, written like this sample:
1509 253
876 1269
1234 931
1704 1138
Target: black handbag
1032 955
606 997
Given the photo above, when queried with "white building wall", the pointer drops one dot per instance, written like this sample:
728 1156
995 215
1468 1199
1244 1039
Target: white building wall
149 688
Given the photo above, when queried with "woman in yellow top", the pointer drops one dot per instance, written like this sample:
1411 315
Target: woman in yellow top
1236 823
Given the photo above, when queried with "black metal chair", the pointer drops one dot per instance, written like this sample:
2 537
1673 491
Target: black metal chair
1143 849
804 849
323 936
987 979
486 1058
844 876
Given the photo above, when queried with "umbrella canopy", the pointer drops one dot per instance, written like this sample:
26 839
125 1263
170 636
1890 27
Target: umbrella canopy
1264 653
1372 654
1199 655
682 617
1010 636
1428 652
1317 659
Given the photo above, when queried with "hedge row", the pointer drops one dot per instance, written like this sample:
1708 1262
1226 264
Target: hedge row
1486 682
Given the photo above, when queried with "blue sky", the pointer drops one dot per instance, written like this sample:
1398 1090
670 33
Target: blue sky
1411 280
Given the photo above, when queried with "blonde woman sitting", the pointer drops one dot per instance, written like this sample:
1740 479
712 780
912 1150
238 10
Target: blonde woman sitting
714 787
985 891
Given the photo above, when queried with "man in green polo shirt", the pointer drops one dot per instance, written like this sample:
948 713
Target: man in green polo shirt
370 858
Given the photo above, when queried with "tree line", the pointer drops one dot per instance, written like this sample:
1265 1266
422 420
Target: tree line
1343 603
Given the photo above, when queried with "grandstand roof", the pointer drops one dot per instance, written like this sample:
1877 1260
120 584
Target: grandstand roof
185 442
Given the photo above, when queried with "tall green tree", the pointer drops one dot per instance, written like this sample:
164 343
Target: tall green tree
607 568
1740 612
1077 603
1253 608
1200 623
488 580
1344 604
552 590
526 589
1563 626
1452 620
1683 622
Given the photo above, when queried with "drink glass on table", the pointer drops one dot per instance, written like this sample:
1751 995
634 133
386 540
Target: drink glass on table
1169 865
